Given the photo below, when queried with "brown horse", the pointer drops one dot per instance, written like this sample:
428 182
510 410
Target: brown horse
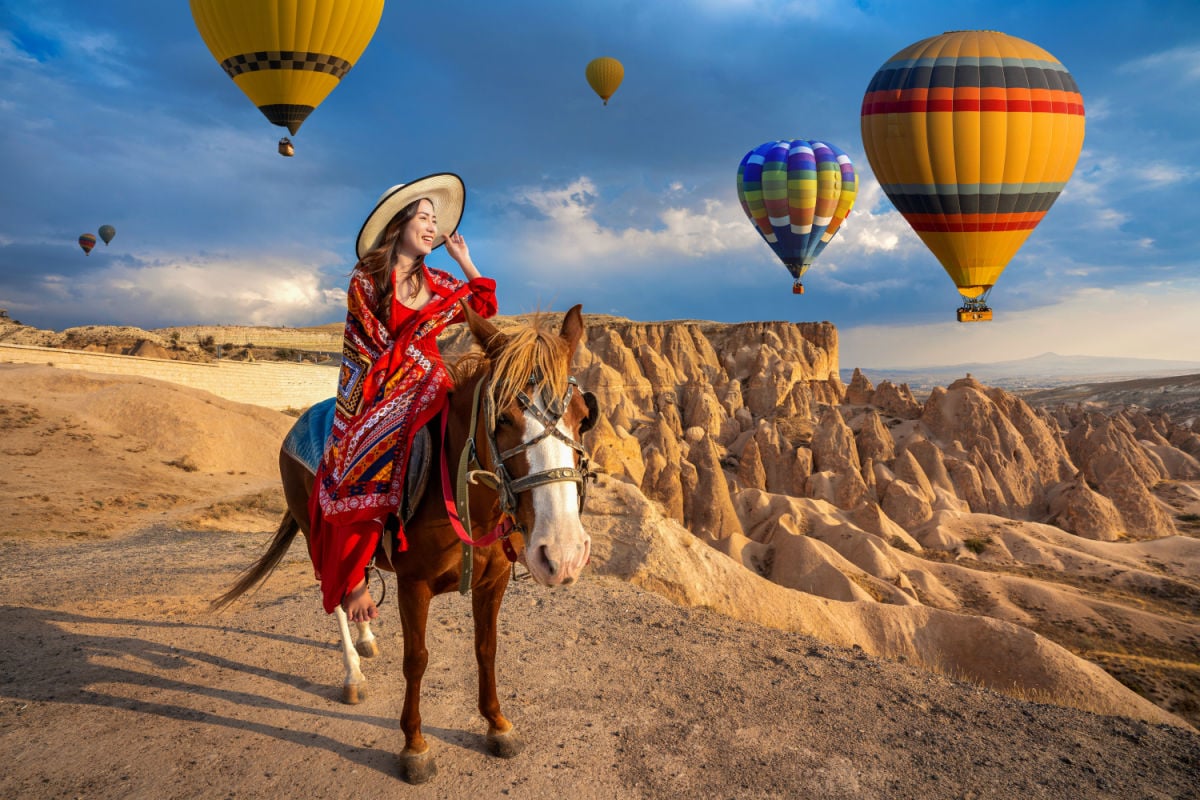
516 418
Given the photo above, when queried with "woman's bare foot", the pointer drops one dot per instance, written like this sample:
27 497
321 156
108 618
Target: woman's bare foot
358 605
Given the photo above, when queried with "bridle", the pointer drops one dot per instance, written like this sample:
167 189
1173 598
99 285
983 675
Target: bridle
472 471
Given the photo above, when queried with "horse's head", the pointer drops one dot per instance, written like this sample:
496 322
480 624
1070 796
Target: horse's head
536 417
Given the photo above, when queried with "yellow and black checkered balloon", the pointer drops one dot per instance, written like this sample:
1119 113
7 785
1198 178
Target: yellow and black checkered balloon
286 55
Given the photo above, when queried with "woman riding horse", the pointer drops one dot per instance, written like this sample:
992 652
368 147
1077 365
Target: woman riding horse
512 430
392 380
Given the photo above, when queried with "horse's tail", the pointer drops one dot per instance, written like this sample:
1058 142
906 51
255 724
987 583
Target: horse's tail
260 570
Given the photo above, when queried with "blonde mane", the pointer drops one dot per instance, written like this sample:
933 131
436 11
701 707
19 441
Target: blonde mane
532 350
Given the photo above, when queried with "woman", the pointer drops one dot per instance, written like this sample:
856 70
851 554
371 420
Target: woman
392 379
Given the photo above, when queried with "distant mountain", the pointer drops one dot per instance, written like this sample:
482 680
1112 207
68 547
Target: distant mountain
1178 395
1044 371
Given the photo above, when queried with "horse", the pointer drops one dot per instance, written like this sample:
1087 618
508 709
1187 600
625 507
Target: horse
518 418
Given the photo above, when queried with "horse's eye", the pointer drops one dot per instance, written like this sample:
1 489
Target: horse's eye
504 421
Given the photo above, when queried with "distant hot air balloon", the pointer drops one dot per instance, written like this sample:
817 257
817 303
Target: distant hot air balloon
87 241
972 135
797 193
286 55
107 232
604 75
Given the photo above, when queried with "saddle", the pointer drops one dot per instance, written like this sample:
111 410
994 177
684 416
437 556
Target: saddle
305 443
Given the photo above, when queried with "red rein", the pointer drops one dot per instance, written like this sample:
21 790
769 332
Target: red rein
503 528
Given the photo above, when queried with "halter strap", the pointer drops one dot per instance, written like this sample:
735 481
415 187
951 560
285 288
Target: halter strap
457 500
458 506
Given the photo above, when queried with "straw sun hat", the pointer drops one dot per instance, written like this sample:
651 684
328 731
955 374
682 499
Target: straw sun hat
444 189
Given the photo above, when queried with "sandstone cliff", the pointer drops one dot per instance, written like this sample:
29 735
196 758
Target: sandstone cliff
963 531
972 501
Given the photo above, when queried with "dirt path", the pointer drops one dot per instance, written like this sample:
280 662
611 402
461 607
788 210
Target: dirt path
116 682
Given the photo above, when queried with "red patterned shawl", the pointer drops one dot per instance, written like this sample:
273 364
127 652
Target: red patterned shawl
392 382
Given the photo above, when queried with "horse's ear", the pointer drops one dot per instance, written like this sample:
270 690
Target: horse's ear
572 327
593 415
488 335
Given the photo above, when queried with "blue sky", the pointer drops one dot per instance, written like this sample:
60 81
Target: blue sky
115 113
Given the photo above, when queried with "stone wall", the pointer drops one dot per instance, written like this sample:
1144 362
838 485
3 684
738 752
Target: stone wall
324 339
271 384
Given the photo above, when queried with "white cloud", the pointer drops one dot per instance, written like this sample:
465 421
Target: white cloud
1098 109
868 230
252 289
93 52
11 53
1148 321
1102 179
105 57
569 235
1183 61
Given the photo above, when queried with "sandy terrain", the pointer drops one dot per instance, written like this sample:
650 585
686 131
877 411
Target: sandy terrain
124 517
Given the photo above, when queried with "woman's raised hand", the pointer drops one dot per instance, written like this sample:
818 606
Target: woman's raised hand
456 246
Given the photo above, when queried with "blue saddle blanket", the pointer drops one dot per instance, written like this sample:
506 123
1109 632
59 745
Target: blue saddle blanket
305 442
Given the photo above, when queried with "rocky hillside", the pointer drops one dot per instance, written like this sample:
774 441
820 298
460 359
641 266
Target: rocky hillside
1079 525
185 343
1178 396
947 531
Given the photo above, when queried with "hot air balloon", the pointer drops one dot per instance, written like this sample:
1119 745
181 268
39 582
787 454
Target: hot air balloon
797 193
87 241
604 75
107 232
286 55
972 135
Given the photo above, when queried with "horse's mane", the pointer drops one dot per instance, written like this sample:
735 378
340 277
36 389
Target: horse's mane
533 349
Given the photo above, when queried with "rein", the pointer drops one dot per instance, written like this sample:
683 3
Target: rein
471 471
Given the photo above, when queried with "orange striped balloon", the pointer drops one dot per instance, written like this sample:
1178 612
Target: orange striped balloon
973 135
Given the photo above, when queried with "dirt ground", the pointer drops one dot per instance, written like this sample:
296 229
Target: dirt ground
129 504
117 682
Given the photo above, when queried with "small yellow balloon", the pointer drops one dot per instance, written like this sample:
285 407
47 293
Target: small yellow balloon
604 75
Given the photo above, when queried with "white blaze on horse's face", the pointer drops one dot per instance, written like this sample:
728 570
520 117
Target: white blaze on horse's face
558 547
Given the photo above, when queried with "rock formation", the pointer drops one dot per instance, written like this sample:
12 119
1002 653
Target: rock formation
962 531
744 435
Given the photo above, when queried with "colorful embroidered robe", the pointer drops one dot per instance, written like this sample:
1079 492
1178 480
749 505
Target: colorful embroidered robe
392 382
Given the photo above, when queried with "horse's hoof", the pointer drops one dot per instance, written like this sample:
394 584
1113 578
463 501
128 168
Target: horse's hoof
418 767
504 745
367 649
354 693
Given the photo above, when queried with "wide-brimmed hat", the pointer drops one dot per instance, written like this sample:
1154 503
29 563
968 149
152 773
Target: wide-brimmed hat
444 189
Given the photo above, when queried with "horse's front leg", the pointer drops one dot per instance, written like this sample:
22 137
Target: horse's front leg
485 606
416 760
354 685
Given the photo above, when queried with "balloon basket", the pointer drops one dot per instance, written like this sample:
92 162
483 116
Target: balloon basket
286 148
797 288
974 314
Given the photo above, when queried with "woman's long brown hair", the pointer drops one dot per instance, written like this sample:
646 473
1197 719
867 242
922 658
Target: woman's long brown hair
379 262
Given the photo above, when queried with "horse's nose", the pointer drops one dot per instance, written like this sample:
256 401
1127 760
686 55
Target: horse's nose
549 564
558 564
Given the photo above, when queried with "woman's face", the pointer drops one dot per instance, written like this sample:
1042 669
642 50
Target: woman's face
420 232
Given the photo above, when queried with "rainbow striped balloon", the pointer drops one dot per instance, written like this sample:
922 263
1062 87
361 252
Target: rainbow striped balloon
973 135
797 193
